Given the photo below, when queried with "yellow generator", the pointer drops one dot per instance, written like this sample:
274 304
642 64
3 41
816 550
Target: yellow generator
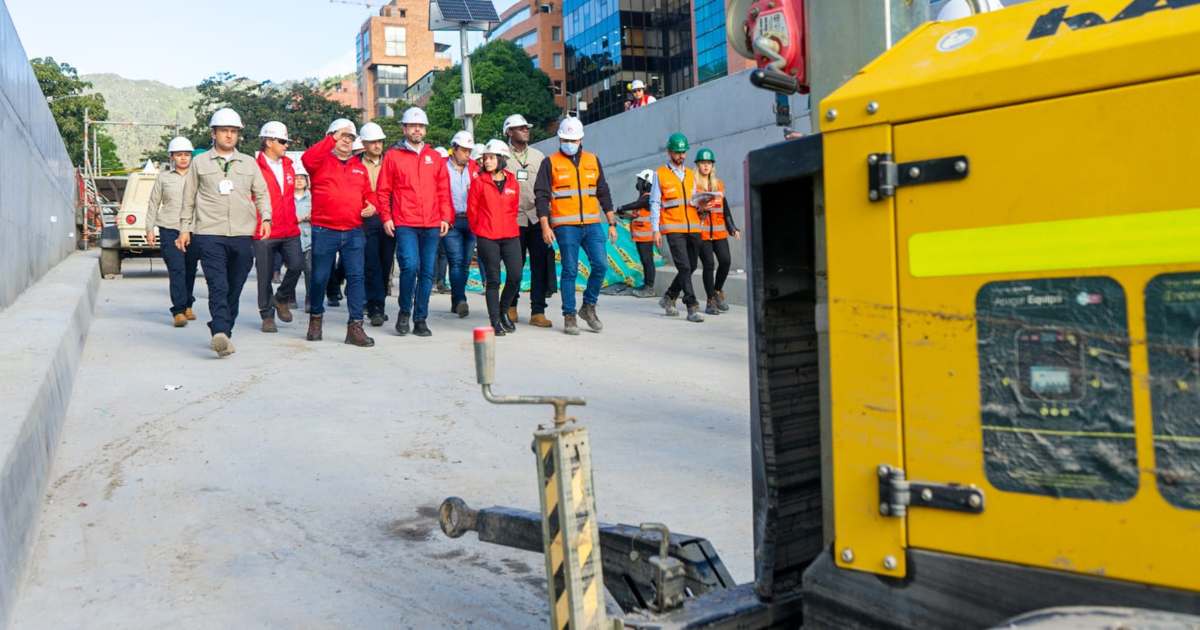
975 340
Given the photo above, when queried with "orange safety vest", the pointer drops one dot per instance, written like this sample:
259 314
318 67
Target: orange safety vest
712 223
640 227
677 213
573 198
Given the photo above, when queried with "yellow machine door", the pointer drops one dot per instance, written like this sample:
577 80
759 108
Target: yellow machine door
1050 332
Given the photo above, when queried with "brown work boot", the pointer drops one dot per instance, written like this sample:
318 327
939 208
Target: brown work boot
187 312
722 305
711 307
570 326
284 312
314 327
512 314
588 313
540 320
356 336
268 325
180 320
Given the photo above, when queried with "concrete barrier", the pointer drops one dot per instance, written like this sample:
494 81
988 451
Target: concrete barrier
43 333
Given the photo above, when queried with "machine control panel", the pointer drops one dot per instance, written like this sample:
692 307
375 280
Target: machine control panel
1173 344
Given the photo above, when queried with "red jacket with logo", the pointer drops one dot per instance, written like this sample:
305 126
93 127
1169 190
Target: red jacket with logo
340 189
283 202
414 188
492 212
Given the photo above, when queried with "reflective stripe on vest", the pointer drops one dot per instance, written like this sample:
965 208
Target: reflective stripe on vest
573 190
677 213
713 221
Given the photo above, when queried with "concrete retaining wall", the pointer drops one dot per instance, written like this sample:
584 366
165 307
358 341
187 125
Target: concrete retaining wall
728 115
37 183
43 333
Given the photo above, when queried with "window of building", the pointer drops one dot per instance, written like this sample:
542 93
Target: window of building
555 33
558 87
362 47
508 23
536 62
390 82
396 40
558 61
526 40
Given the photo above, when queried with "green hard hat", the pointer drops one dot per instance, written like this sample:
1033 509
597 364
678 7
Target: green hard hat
706 154
677 143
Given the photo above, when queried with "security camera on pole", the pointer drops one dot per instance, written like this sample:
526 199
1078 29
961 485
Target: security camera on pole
464 16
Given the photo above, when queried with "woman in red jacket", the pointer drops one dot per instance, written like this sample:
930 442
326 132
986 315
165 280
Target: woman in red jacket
492 206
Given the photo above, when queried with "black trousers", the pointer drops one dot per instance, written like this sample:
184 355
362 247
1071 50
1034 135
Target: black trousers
646 253
714 256
685 253
227 261
265 252
333 289
536 250
378 257
491 253
181 269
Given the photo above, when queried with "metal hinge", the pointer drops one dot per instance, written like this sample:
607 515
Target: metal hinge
897 494
884 175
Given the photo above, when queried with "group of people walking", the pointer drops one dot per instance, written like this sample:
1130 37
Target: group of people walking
354 207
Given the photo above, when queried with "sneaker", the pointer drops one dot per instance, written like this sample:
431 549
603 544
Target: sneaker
191 316
540 320
694 314
332 301
644 292
668 305
711 307
420 329
722 305
377 319
462 309
569 325
588 313
222 345
356 336
181 320
268 325
402 324
442 288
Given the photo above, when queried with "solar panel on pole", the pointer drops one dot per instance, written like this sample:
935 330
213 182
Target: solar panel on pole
454 10
482 11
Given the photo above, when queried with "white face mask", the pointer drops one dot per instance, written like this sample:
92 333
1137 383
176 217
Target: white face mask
569 148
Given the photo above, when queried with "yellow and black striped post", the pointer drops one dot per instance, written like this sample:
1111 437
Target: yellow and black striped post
570 535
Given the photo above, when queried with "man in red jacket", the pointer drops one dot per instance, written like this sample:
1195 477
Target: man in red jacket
277 170
414 200
341 197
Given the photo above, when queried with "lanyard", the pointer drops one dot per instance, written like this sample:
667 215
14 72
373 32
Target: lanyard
225 164
524 165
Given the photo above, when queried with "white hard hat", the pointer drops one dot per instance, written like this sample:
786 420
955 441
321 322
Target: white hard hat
179 144
497 147
442 152
516 120
340 124
958 9
273 129
570 128
477 152
637 85
371 132
463 139
357 145
646 175
414 116
225 117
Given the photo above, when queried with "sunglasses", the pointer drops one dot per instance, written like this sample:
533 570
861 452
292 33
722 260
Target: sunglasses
283 142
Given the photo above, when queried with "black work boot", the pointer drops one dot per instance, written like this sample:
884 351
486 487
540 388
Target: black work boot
506 323
402 324
498 327
356 336
377 319
420 329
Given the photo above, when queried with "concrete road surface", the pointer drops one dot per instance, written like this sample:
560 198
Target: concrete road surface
295 484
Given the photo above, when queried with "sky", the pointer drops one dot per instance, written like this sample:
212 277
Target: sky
181 43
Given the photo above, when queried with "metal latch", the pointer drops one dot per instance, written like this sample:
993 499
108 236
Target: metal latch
897 494
669 575
884 175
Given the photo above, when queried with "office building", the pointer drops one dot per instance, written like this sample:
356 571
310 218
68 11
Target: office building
537 27
715 58
392 47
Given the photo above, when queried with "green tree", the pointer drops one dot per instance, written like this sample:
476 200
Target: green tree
504 74
65 95
300 106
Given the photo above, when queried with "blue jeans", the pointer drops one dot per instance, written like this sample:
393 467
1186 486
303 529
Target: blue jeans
181 268
592 238
227 261
460 247
416 250
326 244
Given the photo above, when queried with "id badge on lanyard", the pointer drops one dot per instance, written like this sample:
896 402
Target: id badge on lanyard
225 186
